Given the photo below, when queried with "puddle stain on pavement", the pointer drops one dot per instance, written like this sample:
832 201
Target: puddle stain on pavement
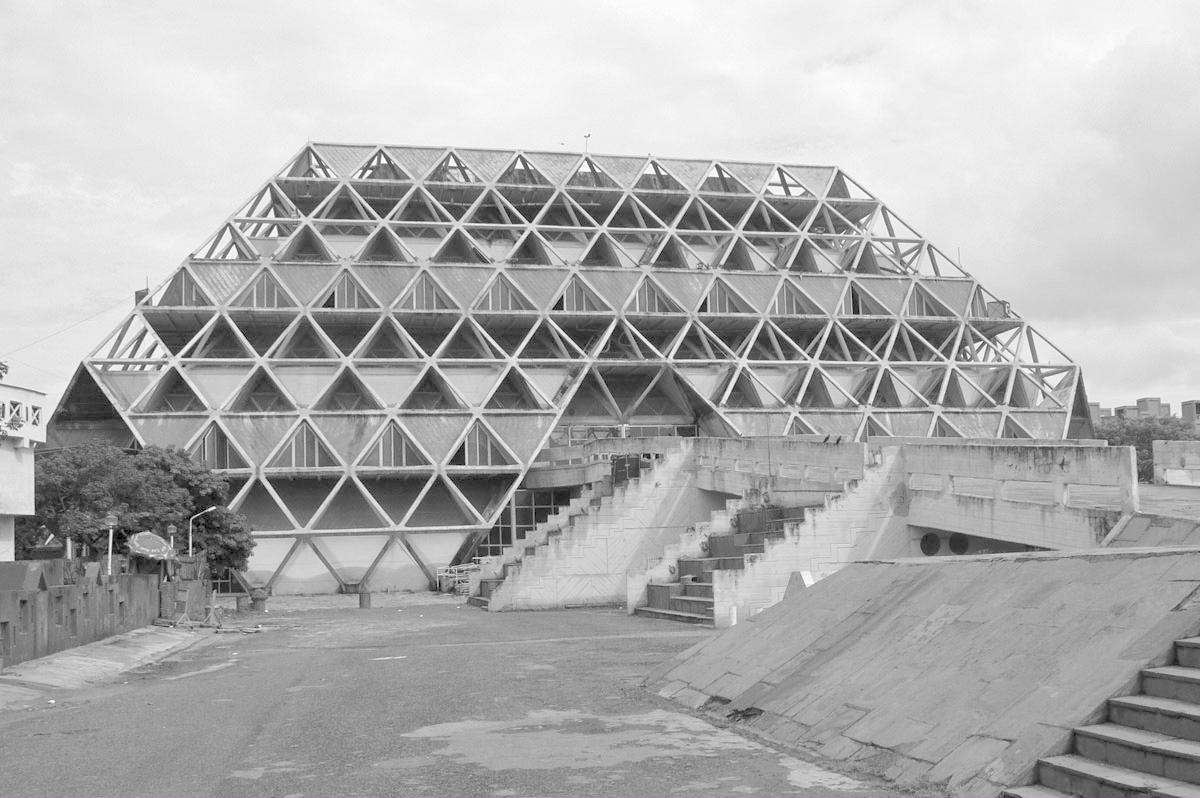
554 739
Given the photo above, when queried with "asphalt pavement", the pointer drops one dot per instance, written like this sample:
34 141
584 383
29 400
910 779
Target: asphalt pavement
419 696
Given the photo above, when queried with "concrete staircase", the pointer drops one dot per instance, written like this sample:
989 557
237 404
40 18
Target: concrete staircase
494 570
1150 745
582 555
690 599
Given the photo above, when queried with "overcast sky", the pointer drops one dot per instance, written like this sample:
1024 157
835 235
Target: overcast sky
1056 146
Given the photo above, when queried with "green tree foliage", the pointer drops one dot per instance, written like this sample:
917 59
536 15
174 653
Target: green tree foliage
76 488
1140 433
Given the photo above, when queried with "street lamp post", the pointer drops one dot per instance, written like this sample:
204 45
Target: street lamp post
110 521
193 518
171 530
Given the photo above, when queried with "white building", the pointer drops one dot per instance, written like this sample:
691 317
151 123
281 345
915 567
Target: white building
22 427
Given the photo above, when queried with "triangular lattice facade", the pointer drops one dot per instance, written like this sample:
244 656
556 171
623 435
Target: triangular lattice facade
381 339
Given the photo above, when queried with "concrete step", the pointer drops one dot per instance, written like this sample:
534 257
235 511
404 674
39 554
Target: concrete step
694 605
1172 681
1137 749
1169 716
698 589
1033 791
1077 775
701 566
658 596
1187 652
478 601
674 615
488 586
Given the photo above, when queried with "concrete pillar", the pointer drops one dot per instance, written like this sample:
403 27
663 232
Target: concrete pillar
8 546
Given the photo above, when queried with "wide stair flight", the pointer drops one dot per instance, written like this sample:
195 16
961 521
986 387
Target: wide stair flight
1150 745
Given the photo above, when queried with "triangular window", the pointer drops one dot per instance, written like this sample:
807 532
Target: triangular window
723 299
344 204
699 344
655 178
215 451
782 184
387 344
183 291
623 344
393 449
651 299
531 251
562 211
632 214
420 207
467 342
578 298
1014 430
347 393
672 255
503 295
816 394
431 393
173 395
589 175
923 303
383 247
743 393
306 247
719 180
219 341
346 293
452 170
264 292
262 333
522 173
304 342
261 395
304 450
380 166
308 165
227 244
492 209
458 248
425 294
268 205
794 302
546 342
859 302
480 449
603 251
513 394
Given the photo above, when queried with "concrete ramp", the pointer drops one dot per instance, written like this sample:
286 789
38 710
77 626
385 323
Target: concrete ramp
954 672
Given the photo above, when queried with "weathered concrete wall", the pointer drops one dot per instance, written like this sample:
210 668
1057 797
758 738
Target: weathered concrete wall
956 671
1011 494
1177 463
789 471
591 561
1032 495
41 618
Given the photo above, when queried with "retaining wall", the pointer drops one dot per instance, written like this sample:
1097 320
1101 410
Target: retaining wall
39 615
958 672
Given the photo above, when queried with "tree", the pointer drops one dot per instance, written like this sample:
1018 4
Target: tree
76 488
1140 433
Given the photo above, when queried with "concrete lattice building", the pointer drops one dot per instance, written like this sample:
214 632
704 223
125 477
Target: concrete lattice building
377 345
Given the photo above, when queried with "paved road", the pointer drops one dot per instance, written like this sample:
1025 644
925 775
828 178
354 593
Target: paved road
424 698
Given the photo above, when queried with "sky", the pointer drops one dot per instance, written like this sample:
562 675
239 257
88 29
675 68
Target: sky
1053 147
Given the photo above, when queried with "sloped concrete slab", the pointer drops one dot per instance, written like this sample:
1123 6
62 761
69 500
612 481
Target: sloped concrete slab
958 672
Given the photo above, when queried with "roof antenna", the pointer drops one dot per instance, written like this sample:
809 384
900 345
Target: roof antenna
586 136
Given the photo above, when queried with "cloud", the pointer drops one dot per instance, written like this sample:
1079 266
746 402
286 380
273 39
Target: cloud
1053 144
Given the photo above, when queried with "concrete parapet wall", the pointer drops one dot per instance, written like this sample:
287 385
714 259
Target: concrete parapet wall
790 470
1177 463
952 671
590 561
44 618
1033 495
